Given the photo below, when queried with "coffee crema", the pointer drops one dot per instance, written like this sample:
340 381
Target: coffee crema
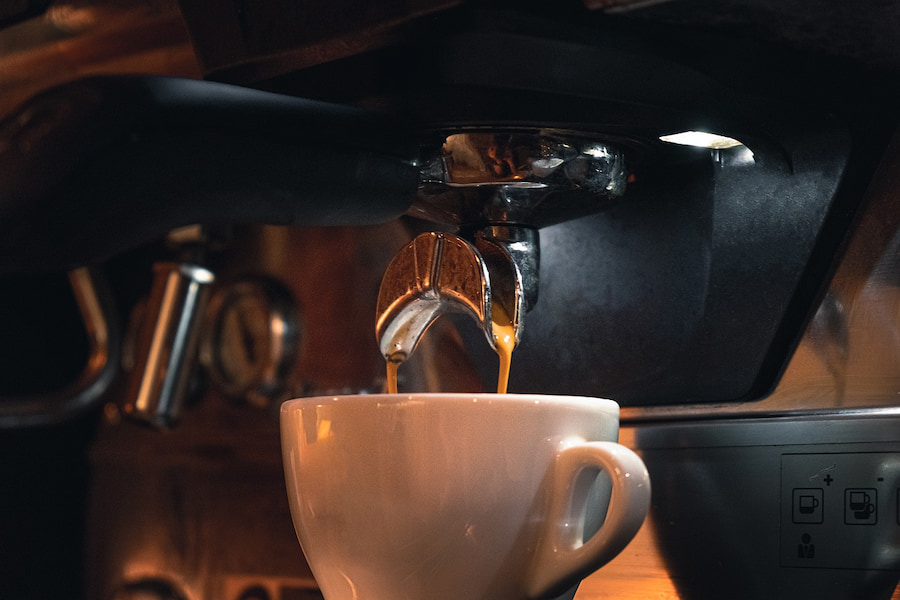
504 333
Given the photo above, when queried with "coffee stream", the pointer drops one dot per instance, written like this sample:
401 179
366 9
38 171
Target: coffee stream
392 367
504 342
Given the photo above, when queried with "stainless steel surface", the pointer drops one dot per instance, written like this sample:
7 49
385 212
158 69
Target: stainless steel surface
513 256
166 345
434 274
101 364
534 178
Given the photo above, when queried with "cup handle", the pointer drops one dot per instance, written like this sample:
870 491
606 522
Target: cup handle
563 558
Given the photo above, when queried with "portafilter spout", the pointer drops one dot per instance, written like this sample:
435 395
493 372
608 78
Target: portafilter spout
438 273
494 190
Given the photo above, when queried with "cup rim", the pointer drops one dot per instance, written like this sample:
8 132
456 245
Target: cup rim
603 405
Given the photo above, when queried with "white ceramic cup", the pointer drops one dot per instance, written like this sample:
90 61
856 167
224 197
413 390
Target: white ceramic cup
456 496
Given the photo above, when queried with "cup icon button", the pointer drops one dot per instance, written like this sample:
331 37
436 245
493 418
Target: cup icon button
808 505
859 500
860 506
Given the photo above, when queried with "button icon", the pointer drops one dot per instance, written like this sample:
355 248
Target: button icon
808 505
860 506
806 548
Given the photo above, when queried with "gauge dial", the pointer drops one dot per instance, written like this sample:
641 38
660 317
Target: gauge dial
251 342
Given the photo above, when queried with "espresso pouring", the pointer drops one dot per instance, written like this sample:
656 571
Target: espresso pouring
504 335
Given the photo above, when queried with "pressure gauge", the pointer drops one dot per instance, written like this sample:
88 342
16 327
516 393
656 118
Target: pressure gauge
251 340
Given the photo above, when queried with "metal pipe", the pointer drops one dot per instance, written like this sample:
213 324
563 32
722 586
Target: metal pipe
166 348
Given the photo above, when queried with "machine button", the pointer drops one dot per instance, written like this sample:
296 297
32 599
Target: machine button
808 505
860 506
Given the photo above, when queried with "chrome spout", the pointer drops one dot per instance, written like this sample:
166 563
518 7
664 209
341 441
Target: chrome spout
438 273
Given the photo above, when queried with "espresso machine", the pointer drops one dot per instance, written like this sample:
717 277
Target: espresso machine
689 207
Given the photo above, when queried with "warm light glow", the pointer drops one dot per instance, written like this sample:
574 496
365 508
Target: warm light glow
701 139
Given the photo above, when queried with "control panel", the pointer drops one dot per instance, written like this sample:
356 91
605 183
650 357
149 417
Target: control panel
840 510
